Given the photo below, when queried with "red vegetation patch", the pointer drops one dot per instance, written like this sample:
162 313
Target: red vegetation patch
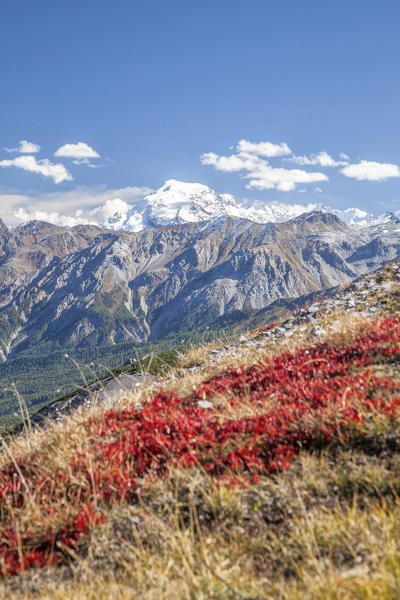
300 400
264 329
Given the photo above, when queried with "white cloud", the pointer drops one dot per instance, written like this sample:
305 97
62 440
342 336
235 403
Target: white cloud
371 171
55 171
266 177
267 149
79 150
109 208
81 205
318 190
228 164
247 155
22 215
261 174
344 156
86 161
322 158
24 147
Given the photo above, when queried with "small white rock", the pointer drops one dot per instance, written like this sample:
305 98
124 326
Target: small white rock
313 308
205 404
317 331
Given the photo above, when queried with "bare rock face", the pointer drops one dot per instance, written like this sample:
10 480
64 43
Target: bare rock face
86 285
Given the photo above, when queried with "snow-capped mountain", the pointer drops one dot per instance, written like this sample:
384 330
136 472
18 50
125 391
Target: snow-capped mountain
181 202
278 212
176 202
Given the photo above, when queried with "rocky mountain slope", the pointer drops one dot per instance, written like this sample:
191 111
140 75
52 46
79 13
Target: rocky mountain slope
86 286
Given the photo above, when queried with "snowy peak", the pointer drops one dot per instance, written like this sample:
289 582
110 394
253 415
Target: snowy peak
356 216
173 203
278 212
178 202
351 216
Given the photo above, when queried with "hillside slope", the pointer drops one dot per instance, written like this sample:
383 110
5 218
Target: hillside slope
267 468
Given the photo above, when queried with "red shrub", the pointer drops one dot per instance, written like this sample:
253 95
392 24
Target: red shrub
303 398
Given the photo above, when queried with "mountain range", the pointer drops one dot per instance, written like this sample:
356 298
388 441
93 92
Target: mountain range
88 285
182 202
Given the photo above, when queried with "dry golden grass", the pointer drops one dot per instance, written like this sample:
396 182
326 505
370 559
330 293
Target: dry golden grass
327 528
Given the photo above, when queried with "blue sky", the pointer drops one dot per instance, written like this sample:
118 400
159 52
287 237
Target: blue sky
154 86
